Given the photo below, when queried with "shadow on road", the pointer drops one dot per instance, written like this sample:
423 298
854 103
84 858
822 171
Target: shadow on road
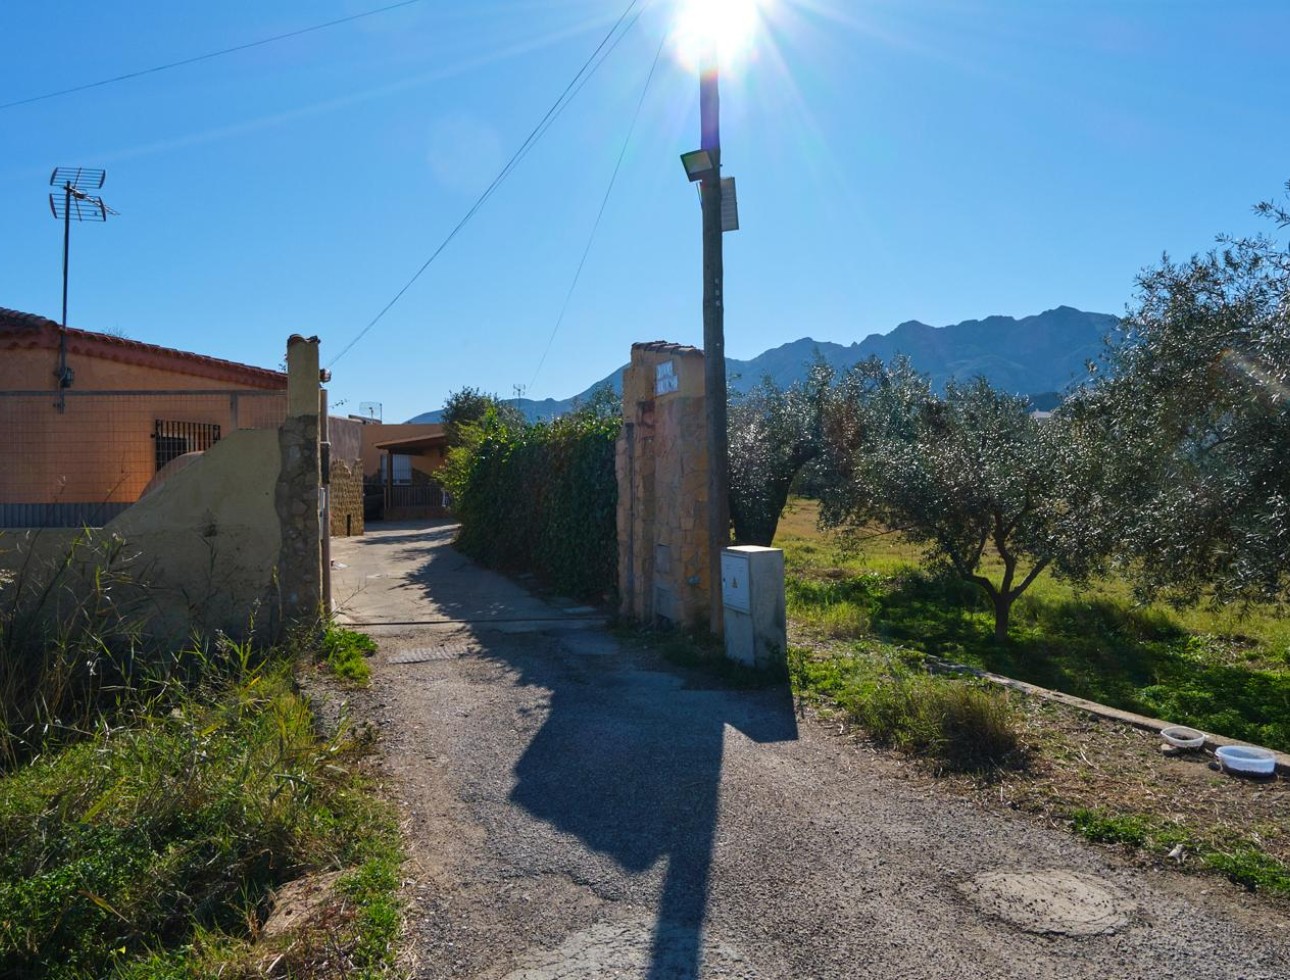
629 761
629 758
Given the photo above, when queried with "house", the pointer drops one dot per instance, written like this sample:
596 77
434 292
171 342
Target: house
89 420
399 464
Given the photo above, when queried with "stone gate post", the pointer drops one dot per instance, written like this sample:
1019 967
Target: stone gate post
662 469
296 498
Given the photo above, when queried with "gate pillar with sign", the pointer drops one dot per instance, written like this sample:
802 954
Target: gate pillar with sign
662 467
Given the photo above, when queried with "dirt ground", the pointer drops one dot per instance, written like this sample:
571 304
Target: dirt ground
577 808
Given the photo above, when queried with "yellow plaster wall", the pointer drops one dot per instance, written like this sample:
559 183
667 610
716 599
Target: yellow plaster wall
200 550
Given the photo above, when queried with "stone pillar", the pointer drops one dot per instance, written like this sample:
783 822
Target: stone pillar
300 558
662 468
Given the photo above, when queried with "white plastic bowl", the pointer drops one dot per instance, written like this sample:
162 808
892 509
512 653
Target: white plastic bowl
1238 758
1182 737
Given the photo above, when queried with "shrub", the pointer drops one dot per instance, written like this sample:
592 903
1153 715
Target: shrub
543 498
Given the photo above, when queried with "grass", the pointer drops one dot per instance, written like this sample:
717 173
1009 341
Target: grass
150 849
345 653
868 621
1241 861
962 724
1224 670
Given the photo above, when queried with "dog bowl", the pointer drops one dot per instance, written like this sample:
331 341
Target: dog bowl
1238 758
1181 737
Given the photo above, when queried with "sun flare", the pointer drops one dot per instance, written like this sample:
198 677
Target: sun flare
728 28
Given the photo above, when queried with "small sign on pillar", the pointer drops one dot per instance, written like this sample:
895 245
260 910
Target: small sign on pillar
752 595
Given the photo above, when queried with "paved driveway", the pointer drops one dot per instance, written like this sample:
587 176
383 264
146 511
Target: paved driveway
580 809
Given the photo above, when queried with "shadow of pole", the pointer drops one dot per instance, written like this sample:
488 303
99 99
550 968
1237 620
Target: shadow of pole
629 761
629 757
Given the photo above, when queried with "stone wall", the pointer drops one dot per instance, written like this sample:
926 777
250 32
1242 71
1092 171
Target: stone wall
662 468
345 490
346 498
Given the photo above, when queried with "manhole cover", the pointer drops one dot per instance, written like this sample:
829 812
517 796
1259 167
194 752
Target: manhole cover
424 655
1053 902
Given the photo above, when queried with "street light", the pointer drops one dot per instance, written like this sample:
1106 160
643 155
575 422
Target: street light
706 164
698 165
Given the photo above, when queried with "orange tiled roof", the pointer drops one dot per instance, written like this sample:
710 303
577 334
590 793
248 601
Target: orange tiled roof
20 330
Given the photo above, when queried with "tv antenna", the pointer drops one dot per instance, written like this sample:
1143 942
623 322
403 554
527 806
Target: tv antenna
73 201
370 410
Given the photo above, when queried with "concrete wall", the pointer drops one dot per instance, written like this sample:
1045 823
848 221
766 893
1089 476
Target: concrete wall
198 553
230 541
662 467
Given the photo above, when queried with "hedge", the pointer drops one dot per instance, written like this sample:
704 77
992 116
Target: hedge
543 498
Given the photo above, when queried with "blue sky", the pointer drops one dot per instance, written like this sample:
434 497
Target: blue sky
896 159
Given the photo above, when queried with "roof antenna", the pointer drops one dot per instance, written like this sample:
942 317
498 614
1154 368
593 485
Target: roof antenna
73 202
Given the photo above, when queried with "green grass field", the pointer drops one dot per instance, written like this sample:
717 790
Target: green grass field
1225 670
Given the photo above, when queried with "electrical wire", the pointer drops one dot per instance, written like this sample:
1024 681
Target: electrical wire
575 85
601 213
208 56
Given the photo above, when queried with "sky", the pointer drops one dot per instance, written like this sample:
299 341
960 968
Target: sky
937 160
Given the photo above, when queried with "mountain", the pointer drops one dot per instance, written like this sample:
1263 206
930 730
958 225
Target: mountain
1043 353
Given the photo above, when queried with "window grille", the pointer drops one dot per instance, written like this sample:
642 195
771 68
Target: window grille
173 439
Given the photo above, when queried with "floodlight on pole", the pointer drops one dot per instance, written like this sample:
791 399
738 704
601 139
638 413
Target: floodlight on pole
698 165
73 202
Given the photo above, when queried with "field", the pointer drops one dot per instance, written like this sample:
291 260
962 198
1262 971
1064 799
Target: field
864 619
1225 670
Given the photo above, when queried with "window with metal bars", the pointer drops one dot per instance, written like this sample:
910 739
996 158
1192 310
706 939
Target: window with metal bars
173 439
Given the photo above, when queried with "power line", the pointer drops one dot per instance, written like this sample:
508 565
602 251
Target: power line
601 213
209 55
558 106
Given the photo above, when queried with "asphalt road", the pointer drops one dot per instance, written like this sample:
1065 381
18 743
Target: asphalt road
577 809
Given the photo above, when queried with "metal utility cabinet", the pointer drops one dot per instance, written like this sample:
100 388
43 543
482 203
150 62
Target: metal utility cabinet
752 594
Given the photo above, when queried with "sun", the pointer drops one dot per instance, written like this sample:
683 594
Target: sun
728 28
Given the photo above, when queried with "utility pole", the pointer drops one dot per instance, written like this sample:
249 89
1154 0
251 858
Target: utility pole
714 342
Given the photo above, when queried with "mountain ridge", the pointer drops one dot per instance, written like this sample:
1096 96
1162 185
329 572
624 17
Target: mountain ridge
1042 353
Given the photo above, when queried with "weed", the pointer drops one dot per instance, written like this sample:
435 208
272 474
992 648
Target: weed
700 651
1133 830
345 652
1242 861
1252 868
963 724
152 847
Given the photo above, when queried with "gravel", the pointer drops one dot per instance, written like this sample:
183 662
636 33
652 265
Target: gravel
580 809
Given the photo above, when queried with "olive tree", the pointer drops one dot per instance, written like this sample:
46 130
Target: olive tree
773 433
1194 426
970 475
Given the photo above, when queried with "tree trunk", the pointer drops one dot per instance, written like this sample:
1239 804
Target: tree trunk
1002 610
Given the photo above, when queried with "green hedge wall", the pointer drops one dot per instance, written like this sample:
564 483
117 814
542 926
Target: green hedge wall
543 499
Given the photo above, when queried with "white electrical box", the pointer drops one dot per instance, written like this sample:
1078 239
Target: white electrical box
734 580
752 598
